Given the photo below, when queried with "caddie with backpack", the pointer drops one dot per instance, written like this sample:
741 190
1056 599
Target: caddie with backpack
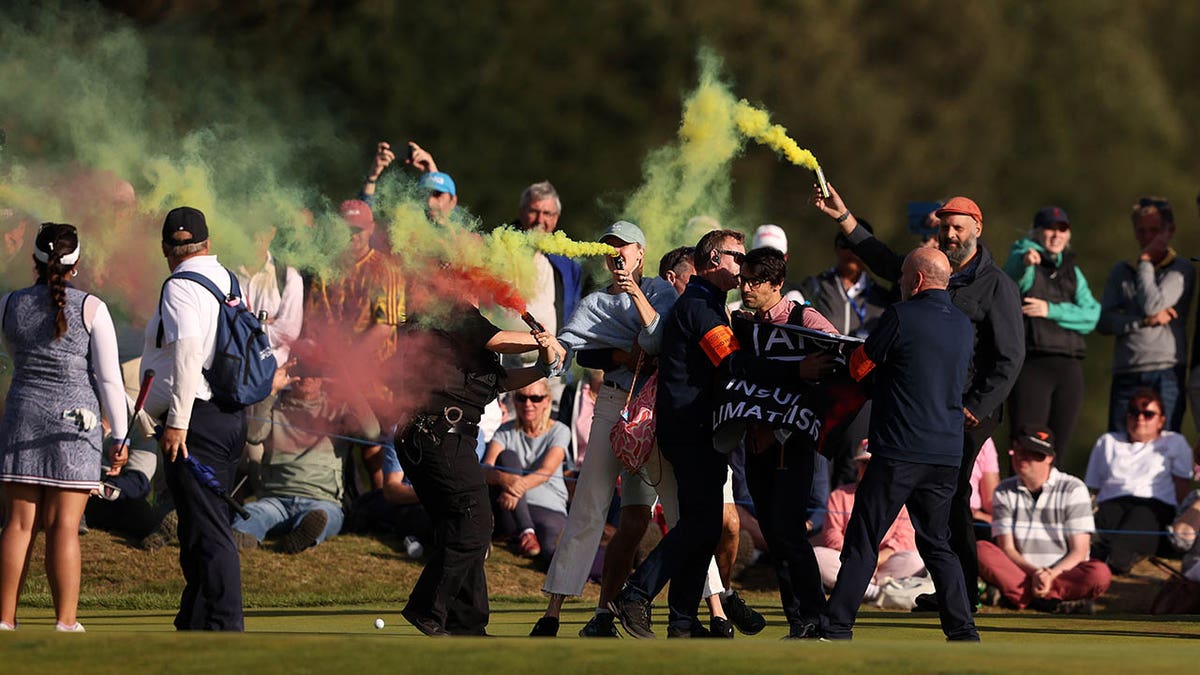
211 359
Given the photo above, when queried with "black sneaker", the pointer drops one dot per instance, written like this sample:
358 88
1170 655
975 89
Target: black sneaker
599 626
306 533
425 625
547 626
803 631
742 615
720 627
695 630
634 615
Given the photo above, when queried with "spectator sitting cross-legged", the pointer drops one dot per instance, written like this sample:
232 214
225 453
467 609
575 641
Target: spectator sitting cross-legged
525 457
1042 524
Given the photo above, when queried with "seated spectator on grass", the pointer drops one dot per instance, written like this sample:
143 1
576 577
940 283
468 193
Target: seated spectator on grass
1042 525
984 477
302 474
898 557
406 518
525 460
1139 476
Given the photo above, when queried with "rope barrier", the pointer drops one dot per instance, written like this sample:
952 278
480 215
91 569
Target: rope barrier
552 476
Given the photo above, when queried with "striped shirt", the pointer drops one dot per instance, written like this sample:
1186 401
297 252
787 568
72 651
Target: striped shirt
369 294
1041 528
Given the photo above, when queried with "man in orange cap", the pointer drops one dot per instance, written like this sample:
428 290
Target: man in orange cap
982 291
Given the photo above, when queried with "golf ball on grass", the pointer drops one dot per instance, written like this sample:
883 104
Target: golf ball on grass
379 623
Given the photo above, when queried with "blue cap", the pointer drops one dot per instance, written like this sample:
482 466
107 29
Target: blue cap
917 213
436 181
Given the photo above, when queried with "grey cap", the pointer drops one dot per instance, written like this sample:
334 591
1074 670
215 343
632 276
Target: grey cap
626 232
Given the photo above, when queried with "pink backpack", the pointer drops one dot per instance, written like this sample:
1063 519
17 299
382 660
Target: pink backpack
632 437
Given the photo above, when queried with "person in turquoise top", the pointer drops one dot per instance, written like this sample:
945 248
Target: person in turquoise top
1059 310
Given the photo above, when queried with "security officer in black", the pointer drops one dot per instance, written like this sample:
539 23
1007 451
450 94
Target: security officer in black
457 365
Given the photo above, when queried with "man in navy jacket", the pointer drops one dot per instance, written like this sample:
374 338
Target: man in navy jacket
918 356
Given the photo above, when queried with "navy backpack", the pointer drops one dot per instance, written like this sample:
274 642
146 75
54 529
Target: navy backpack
244 364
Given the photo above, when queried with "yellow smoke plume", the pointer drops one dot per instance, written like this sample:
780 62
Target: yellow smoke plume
559 244
756 125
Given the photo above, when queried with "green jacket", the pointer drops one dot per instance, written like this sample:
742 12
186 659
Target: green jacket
1080 316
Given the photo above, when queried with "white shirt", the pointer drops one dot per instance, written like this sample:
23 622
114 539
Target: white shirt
189 311
284 306
1120 468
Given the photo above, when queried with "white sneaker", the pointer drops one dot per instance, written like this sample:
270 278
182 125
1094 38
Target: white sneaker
64 628
4 625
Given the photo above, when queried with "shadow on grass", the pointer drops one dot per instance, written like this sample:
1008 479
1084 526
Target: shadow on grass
1079 625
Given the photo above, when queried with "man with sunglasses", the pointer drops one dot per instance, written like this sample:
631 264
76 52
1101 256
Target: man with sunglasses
1145 306
982 291
1042 524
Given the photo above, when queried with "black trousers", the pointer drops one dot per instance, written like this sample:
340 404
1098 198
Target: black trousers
780 490
1048 391
1144 519
962 523
683 555
452 589
212 573
927 490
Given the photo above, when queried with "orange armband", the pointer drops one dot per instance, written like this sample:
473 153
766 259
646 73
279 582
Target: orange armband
860 364
718 344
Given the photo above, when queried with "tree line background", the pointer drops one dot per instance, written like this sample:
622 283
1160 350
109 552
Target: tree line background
1082 104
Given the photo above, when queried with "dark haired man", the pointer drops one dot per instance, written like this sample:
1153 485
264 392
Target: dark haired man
1145 306
676 267
781 498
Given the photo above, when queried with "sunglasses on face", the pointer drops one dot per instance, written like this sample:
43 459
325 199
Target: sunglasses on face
534 398
1152 201
752 283
1144 414
737 256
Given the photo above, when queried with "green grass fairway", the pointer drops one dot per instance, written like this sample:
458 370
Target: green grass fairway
344 639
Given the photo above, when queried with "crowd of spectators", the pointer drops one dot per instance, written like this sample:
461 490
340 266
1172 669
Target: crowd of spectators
317 463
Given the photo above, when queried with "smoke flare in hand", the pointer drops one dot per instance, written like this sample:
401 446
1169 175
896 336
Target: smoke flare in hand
756 125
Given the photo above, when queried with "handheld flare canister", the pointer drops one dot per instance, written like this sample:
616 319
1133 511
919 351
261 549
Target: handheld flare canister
821 182
533 323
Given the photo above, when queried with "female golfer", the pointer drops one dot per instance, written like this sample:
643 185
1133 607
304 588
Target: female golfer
61 340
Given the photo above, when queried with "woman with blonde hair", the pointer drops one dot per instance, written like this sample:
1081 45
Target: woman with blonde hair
525 460
62 339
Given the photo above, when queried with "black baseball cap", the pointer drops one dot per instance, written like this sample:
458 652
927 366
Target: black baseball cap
184 219
1035 438
1050 215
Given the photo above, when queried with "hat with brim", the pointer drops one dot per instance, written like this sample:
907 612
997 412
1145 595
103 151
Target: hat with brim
961 206
1037 439
626 232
